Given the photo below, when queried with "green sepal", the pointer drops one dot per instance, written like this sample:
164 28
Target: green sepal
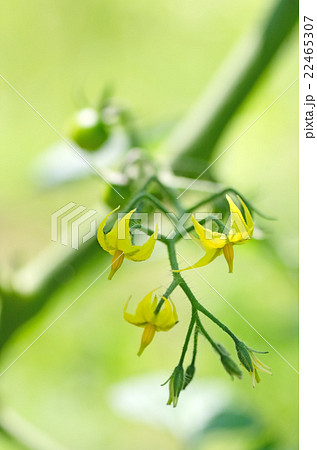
244 356
230 366
176 385
189 375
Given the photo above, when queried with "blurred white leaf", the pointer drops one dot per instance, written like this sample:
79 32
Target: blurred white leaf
144 399
60 163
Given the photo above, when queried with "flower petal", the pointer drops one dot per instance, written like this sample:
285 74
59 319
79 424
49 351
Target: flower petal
136 319
101 236
146 308
238 225
119 236
142 252
210 256
209 239
167 317
236 238
248 217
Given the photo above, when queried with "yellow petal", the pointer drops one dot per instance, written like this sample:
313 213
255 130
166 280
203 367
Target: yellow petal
146 308
248 217
119 237
238 224
167 316
142 252
259 365
175 317
210 256
134 319
209 239
257 377
241 230
236 238
104 243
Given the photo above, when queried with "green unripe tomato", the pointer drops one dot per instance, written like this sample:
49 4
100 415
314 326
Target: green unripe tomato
87 130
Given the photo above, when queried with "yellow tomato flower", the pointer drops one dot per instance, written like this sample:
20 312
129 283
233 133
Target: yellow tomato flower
145 317
257 365
214 243
118 242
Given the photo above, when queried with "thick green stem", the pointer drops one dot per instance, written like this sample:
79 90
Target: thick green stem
195 144
30 288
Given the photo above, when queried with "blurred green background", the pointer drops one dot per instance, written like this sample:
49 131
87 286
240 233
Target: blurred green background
159 56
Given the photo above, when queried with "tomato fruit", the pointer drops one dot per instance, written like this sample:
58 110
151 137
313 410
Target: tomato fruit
87 129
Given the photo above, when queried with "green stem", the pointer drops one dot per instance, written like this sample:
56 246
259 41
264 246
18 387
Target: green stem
208 199
170 289
166 294
187 291
170 195
208 337
202 309
220 194
152 199
195 347
173 260
187 338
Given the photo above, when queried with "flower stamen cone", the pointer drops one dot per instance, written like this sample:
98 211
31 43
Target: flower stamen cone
146 317
116 262
147 337
229 254
257 365
251 362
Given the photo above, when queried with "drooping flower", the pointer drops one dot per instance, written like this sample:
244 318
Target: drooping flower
118 243
146 317
251 362
176 384
257 365
215 243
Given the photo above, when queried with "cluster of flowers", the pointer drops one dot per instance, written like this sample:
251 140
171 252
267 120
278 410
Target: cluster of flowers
148 315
